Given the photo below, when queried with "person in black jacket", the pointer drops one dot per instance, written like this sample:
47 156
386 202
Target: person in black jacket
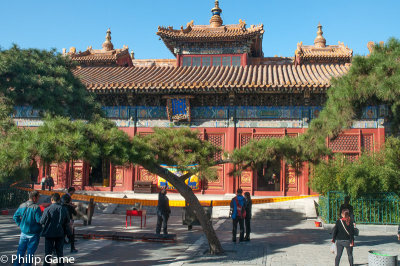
247 219
66 201
346 205
55 219
163 212
343 234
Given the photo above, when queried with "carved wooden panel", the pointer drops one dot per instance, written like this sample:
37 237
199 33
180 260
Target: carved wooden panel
119 176
217 140
54 173
145 175
265 136
246 180
344 143
244 139
217 184
291 178
351 157
367 142
78 174
246 177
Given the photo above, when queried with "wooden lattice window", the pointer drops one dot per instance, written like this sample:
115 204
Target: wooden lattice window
367 142
218 141
244 139
266 136
344 143
351 157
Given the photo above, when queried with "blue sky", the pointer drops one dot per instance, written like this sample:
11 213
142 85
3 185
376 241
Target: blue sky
57 24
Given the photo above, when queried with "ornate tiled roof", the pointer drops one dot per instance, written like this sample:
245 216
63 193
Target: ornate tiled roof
209 33
214 32
322 53
106 56
91 56
285 77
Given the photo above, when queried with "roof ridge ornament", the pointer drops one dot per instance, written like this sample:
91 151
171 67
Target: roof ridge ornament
320 41
107 44
216 20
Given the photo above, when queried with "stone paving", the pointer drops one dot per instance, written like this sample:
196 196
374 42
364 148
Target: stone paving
273 242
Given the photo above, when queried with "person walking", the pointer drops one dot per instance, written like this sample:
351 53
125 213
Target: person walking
43 183
66 201
343 235
27 217
163 212
346 205
55 221
49 182
247 219
238 213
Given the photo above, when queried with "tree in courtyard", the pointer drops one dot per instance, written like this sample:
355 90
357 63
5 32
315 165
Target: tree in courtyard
43 79
374 79
183 149
370 173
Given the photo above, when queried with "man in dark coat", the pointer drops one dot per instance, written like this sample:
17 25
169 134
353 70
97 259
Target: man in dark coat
55 220
66 201
163 212
49 182
247 219
346 205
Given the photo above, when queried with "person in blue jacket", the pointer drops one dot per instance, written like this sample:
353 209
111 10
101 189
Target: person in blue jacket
237 211
28 218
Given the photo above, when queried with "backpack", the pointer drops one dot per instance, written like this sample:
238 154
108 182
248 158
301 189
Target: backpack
240 211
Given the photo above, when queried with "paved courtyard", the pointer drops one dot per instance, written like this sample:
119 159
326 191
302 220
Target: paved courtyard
274 242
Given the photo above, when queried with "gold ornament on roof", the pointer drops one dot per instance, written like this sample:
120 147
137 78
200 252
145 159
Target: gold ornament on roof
189 24
320 41
216 20
107 45
370 46
72 50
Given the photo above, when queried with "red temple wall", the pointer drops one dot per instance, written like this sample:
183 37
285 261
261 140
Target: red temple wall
350 142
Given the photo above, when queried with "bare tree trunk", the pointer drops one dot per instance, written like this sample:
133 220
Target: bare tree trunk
194 205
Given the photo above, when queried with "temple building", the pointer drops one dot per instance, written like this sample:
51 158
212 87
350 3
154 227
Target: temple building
221 84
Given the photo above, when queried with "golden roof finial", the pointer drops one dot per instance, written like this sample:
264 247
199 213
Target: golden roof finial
320 41
216 20
107 45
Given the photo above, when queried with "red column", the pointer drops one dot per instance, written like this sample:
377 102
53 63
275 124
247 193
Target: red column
111 177
230 146
178 60
244 59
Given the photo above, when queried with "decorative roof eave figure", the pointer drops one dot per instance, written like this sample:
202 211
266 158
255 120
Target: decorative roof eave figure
322 53
213 33
107 56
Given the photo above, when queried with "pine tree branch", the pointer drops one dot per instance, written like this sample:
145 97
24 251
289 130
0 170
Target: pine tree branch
189 174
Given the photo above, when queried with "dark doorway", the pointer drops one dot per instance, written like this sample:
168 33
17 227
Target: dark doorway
100 173
269 176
